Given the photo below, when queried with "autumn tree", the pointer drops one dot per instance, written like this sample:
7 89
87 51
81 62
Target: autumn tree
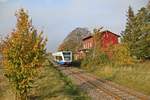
97 34
95 56
97 37
98 56
23 52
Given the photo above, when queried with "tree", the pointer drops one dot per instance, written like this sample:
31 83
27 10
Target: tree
127 35
23 52
97 34
143 43
97 56
121 54
137 32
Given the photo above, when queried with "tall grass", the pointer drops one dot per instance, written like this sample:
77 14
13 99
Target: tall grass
5 88
120 67
50 84
53 85
136 76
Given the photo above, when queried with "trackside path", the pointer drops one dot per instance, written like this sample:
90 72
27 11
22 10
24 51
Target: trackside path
99 89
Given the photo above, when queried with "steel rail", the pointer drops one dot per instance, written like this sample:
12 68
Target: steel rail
96 86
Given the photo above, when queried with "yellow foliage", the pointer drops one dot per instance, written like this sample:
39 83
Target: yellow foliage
23 52
121 54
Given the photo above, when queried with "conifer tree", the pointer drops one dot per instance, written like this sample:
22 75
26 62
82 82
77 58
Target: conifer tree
23 52
127 35
142 45
137 32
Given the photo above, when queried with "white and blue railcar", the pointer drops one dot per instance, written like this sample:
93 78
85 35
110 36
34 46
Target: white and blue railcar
63 57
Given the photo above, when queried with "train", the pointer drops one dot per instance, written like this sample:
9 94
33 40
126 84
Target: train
63 57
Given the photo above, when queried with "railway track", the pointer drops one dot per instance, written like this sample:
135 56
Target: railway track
100 89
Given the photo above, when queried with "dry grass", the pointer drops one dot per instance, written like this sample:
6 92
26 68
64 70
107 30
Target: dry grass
49 85
54 86
136 76
5 89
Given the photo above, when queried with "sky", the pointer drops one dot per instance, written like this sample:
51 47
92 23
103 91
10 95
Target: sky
59 17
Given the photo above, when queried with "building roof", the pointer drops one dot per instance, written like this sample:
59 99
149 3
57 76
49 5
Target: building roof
110 32
90 36
87 37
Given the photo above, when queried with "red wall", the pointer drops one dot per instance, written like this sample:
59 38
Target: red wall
108 39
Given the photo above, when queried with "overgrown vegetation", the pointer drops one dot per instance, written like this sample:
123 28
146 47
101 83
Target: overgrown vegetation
115 55
95 56
73 90
121 68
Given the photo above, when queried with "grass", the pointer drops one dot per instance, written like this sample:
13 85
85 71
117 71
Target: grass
49 85
5 89
136 76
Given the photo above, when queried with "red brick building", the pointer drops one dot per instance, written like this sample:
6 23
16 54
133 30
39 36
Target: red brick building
108 38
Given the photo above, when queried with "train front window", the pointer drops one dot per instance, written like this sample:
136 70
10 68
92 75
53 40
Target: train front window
67 55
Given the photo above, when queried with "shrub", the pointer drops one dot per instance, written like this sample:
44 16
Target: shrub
121 54
95 59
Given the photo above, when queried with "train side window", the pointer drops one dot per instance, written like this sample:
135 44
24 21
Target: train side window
59 58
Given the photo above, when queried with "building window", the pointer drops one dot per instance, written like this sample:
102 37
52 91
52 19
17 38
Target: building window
84 46
90 45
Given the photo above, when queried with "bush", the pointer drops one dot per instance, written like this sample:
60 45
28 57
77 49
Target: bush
95 59
121 55
115 55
